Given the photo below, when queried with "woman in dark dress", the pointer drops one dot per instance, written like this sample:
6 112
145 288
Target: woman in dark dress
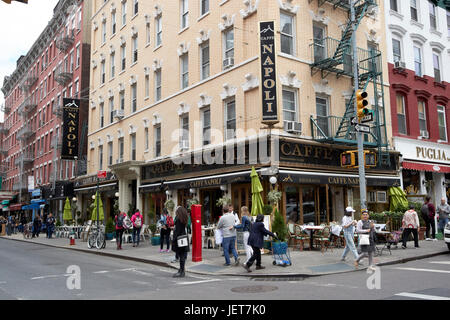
365 226
181 220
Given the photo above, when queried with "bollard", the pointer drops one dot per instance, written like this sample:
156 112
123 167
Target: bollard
72 238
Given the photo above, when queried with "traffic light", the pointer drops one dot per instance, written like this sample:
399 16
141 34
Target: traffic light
370 159
348 159
361 104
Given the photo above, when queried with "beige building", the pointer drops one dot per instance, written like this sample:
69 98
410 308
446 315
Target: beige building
161 66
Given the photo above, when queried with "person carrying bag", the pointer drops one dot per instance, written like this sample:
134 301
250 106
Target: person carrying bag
180 243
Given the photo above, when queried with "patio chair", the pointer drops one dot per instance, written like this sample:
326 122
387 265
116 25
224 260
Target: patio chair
292 233
142 233
85 234
302 236
322 238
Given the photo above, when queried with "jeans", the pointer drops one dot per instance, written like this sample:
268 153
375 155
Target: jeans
430 226
442 223
136 234
407 232
229 244
49 231
349 245
256 256
119 235
165 235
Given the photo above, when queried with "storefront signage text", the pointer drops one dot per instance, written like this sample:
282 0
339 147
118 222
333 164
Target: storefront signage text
305 151
431 154
71 112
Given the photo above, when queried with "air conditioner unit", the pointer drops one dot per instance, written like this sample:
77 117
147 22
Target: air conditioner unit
293 127
118 114
228 62
184 145
399 65
424 134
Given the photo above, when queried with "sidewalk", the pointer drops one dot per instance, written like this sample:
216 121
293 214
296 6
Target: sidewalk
304 263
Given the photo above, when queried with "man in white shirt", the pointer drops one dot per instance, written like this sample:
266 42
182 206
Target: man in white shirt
236 216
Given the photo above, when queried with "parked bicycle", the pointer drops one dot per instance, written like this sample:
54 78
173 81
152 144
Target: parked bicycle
96 238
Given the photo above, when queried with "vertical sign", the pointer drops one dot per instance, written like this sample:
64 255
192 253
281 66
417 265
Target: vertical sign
268 72
30 183
71 112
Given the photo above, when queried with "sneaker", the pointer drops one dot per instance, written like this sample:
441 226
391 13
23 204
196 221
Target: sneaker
167 250
175 260
161 250
342 259
260 267
427 239
227 264
237 262
434 239
403 247
246 267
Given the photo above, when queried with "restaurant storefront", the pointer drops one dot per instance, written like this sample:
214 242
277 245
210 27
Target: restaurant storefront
315 188
55 197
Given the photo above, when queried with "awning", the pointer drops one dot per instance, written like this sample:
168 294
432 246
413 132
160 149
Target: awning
5 202
15 207
108 185
419 166
307 177
34 205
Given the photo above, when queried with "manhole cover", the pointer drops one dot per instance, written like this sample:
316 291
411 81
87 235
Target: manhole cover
254 289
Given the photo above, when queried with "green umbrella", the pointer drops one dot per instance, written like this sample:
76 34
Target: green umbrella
67 216
100 209
398 198
257 202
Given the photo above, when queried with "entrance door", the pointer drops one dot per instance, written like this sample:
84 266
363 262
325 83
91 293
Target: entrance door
210 211
242 196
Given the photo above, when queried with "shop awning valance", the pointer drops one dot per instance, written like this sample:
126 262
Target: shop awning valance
15 207
101 186
419 166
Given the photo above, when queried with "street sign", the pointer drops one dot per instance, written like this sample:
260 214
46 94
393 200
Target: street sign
362 128
101 174
354 120
367 118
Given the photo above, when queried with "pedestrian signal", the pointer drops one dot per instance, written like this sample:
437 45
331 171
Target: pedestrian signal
370 159
348 159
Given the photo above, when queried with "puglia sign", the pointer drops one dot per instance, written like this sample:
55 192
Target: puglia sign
71 113
268 72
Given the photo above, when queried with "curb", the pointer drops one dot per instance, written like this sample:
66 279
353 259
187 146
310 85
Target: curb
245 275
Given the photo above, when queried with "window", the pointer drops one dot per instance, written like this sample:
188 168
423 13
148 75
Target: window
100 157
113 65
401 114
133 146
289 105
134 97
319 43
437 68
121 149
78 56
204 7
184 65
123 57
418 61
135 7
135 49
110 153
397 51
422 115
102 72
147 141
184 11
103 32
147 33
102 115
228 48
442 121
394 5
147 86
111 110
204 56
230 120
184 134
287 33
122 100
113 23
158 85
157 141
206 123
414 14
124 13
433 19
158 31
322 114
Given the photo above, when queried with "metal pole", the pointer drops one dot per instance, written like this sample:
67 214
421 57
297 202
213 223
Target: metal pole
361 164
97 198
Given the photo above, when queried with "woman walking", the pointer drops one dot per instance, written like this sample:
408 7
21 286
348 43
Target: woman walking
166 222
137 219
367 229
181 221
246 226
119 219
348 226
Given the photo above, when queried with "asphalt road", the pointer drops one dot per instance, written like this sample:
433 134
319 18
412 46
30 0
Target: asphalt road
31 271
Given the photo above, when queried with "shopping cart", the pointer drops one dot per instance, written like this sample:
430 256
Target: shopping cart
281 255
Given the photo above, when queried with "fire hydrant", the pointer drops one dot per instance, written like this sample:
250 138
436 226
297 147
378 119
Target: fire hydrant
72 238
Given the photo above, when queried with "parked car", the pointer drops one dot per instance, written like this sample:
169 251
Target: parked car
447 235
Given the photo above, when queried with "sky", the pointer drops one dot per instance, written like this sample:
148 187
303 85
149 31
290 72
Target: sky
20 26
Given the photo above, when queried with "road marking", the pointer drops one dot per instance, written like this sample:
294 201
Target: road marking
197 282
424 270
103 271
127 269
52 276
440 262
421 296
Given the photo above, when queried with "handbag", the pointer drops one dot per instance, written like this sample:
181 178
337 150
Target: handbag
182 241
218 236
364 239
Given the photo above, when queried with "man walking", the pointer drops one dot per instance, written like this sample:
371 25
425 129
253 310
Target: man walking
226 223
428 211
50 225
410 224
443 209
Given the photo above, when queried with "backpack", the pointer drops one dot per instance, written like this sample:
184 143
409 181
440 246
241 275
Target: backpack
120 220
138 222
169 221
424 211
127 222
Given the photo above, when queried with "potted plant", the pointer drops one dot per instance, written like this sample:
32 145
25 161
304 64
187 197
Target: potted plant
169 205
155 240
191 202
279 227
109 229
267 209
274 196
151 216
223 201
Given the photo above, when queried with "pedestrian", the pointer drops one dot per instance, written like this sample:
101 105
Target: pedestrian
50 225
23 222
428 212
443 209
246 227
181 220
235 215
2 225
13 225
410 224
256 241
167 225
37 223
226 224
136 219
365 227
348 227
119 220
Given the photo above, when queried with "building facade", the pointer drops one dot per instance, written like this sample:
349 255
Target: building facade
56 67
174 84
418 38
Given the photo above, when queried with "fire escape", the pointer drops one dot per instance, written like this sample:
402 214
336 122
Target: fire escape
332 56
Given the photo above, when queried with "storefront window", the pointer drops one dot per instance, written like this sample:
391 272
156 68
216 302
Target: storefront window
309 205
292 205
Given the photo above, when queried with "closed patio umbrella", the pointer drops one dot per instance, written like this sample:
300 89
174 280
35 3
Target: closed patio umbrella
67 215
257 202
398 198
100 208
